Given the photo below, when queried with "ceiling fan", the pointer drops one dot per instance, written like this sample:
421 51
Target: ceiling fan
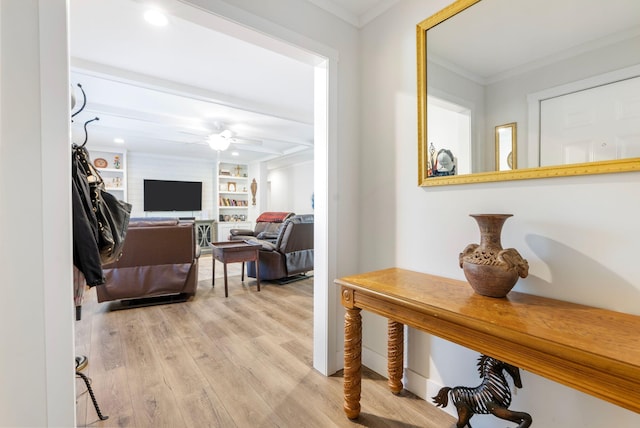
222 138
221 141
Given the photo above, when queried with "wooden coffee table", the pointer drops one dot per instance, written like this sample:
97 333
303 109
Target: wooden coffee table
234 252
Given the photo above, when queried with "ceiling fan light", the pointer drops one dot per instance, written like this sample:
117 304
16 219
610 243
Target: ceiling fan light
216 142
226 134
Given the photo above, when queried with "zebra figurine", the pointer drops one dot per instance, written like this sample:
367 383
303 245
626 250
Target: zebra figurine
492 396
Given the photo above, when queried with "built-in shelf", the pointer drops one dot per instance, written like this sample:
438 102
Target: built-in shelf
233 199
112 166
233 194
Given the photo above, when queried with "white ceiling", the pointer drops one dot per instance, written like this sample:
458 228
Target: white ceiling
468 45
165 89
355 12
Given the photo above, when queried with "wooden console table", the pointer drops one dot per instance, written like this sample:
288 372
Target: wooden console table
596 351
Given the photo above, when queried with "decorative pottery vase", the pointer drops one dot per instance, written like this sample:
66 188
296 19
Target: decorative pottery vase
490 270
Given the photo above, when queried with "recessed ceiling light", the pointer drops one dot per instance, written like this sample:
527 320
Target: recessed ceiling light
235 154
155 17
118 140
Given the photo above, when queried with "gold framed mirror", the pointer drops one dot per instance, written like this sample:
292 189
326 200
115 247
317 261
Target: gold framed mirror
506 147
466 91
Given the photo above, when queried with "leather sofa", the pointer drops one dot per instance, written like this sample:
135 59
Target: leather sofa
159 258
268 226
290 255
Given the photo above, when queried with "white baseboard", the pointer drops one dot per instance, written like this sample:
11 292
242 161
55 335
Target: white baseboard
374 361
412 381
417 384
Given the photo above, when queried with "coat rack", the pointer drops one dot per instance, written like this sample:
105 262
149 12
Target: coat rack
79 278
84 103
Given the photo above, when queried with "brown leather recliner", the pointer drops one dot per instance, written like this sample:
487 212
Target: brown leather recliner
267 227
159 258
290 255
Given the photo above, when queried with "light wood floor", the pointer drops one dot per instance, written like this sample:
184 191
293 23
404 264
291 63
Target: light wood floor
244 361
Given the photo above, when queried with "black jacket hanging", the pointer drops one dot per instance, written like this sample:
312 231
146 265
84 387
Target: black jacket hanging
86 256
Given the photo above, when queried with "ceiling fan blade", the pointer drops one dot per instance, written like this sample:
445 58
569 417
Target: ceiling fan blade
197 133
242 141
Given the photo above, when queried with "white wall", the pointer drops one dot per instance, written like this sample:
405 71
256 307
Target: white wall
141 166
291 188
506 101
580 248
36 309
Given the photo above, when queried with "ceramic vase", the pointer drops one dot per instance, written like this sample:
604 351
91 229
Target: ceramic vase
491 270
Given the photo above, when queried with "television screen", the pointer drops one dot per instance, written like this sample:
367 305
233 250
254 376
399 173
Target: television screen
166 195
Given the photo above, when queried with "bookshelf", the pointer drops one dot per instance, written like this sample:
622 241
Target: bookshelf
233 198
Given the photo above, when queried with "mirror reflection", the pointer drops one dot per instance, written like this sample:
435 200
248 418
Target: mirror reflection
506 147
531 62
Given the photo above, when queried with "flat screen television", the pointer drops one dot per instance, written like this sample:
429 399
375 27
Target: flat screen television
167 195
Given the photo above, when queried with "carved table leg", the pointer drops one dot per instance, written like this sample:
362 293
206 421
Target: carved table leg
395 355
352 362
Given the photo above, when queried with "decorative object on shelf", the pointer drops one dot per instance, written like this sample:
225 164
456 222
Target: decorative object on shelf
441 162
445 163
254 189
116 162
492 396
231 186
432 159
100 163
489 269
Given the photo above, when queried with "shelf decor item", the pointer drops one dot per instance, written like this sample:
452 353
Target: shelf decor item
100 163
490 270
116 162
254 189
492 396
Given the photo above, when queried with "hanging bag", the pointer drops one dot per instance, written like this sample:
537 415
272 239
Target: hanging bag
112 214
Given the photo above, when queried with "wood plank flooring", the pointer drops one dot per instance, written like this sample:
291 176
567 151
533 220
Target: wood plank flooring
244 361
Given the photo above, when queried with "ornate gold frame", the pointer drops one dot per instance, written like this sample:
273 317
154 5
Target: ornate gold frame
605 167
514 144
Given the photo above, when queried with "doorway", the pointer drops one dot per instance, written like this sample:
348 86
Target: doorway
241 24
450 129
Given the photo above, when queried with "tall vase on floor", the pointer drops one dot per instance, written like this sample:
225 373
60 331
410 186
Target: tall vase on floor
491 270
